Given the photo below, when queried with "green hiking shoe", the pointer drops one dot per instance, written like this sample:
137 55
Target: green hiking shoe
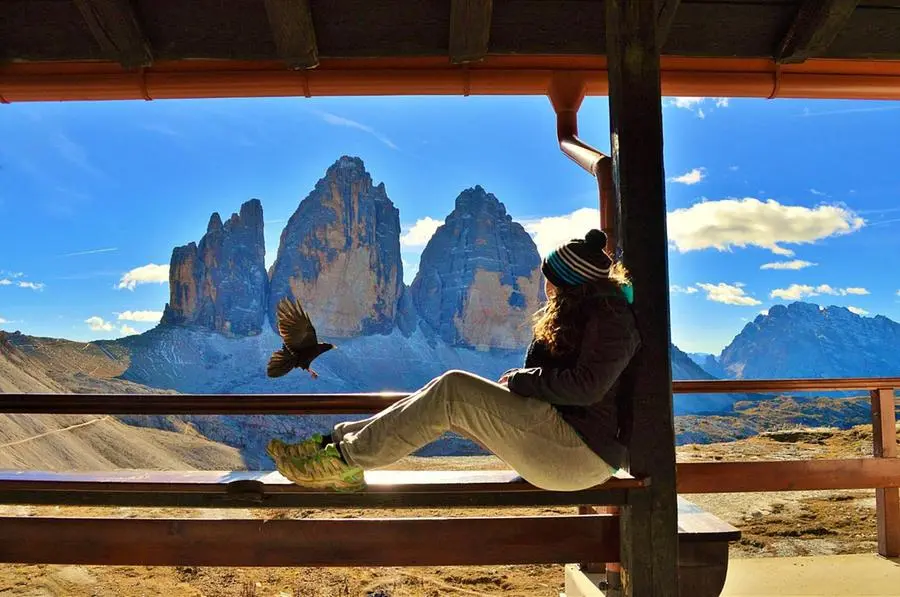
279 450
324 469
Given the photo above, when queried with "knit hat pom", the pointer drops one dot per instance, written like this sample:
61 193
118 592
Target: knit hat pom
596 239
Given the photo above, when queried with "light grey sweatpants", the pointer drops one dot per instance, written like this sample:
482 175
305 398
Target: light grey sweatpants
526 433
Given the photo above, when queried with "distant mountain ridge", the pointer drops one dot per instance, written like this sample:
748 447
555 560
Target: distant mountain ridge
806 340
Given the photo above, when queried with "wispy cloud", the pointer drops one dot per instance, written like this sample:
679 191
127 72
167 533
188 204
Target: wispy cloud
818 193
38 286
127 330
151 273
676 289
795 264
696 104
857 310
336 120
729 223
807 112
74 153
91 252
420 233
795 292
729 294
2 320
692 177
141 316
5 282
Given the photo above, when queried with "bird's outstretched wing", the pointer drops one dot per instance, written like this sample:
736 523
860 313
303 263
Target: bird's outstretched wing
280 363
294 326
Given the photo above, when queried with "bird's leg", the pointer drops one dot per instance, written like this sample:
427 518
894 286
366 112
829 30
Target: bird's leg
313 374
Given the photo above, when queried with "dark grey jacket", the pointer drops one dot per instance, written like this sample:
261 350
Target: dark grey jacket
586 387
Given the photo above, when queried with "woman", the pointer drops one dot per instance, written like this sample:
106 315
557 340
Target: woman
554 421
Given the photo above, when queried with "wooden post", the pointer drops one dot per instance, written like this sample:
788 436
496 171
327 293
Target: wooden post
887 500
649 521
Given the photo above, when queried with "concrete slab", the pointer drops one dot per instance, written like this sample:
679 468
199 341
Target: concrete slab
863 575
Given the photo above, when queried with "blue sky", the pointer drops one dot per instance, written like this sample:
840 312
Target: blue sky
94 196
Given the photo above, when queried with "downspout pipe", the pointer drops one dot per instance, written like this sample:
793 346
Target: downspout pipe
566 93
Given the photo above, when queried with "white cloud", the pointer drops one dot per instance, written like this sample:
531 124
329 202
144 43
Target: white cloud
857 311
550 232
734 168
682 289
346 122
97 324
690 178
729 223
818 192
420 233
855 290
795 264
145 274
127 330
5 282
32 285
91 252
142 316
796 292
695 104
730 294
687 103
3 320
764 312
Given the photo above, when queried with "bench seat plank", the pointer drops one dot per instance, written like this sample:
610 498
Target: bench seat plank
696 524
270 489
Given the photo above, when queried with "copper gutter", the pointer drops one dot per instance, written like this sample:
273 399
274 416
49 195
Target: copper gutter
512 75
566 92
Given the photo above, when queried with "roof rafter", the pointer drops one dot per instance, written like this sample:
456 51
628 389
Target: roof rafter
294 33
667 11
115 26
816 25
470 30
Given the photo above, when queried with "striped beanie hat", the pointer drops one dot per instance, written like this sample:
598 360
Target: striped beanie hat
578 261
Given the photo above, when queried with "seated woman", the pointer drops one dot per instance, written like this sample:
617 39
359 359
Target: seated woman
554 421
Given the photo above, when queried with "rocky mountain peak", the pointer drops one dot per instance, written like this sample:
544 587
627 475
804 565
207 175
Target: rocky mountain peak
479 276
340 254
221 284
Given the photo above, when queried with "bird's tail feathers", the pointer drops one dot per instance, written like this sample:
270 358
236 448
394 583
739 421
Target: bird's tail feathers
280 363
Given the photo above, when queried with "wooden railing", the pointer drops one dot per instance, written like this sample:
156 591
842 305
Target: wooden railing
882 472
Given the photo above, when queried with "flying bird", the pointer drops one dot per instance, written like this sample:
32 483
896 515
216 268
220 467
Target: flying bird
300 344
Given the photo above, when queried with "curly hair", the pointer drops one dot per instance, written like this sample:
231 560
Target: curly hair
559 324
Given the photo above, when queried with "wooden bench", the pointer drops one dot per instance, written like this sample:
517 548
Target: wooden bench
479 540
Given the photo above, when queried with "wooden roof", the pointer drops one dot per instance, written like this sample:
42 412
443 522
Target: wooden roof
92 49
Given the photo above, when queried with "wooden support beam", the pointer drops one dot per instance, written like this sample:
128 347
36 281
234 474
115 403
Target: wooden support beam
787 475
309 542
887 500
294 33
816 25
115 26
649 531
470 30
667 11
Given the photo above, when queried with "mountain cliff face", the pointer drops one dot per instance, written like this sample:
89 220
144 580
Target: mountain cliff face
479 277
221 284
804 340
340 255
